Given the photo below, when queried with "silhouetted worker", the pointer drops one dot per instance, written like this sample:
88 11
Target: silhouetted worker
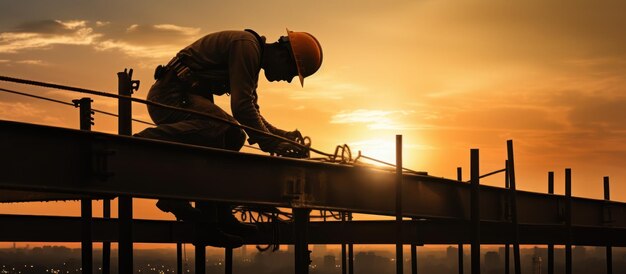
226 62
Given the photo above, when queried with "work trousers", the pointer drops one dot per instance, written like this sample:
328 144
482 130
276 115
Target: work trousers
190 128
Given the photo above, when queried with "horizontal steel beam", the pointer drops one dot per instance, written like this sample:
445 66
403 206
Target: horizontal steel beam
49 159
20 228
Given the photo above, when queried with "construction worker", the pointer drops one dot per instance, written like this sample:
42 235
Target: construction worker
227 62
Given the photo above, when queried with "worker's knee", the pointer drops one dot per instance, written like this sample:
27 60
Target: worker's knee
234 139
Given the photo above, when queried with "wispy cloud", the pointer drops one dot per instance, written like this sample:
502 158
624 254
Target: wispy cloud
17 111
45 34
138 50
142 41
31 62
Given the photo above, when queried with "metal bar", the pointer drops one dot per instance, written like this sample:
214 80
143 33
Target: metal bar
344 265
507 261
475 210
200 259
301 248
568 220
413 258
179 258
550 247
106 245
609 248
514 209
399 254
86 247
228 260
328 186
350 251
125 202
19 228
507 185
459 177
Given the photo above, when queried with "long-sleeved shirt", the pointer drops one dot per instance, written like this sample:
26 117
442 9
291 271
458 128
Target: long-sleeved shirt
239 54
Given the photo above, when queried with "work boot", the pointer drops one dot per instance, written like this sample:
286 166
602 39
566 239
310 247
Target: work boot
181 209
209 234
229 223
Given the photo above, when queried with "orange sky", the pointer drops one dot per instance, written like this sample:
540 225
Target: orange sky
448 75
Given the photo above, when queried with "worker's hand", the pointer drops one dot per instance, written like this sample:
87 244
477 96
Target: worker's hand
293 135
285 149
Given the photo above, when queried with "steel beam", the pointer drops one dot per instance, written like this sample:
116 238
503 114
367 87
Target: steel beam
121 165
475 211
399 251
125 202
550 247
19 228
609 249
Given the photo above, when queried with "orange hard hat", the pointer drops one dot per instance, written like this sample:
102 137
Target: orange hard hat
307 52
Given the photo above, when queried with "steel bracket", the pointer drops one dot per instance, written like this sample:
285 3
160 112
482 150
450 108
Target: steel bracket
294 188
100 160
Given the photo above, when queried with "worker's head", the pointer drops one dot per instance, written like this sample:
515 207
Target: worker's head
297 54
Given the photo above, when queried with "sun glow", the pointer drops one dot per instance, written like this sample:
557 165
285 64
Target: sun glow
380 149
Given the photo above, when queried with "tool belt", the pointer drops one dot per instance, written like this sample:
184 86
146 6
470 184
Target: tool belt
206 82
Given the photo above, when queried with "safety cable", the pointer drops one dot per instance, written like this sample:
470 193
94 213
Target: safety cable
95 110
389 164
488 174
340 151
69 104
152 103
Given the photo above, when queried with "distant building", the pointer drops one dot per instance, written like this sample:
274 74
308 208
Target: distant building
536 264
492 260
452 254
329 264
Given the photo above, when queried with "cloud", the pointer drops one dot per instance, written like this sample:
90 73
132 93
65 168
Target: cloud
142 41
374 119
149 41
138 50
45 34
31 62
17 111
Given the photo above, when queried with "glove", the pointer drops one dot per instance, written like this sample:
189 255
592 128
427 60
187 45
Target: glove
284 149
293 135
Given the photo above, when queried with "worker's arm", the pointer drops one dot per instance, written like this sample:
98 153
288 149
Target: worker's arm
243 65
291 135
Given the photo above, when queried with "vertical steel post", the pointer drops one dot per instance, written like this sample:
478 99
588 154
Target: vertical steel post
568 220
125 203
399 251
344 265
302 254
350 251
106 246
200 248
459 177
87 239
228 261
551 246
86 245
414 257
507 247
475 210
200 258
609 248
513 196
179 258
